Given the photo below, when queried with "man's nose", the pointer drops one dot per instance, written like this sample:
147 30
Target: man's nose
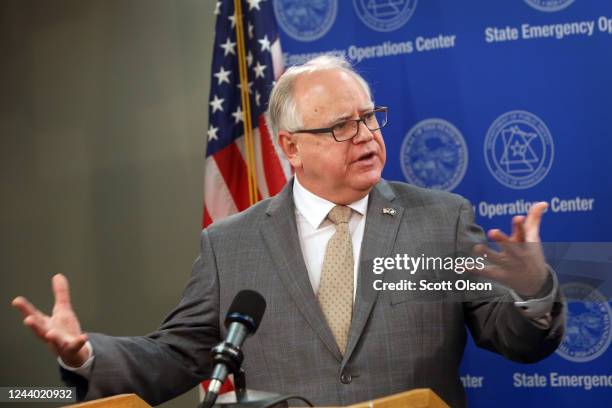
363 134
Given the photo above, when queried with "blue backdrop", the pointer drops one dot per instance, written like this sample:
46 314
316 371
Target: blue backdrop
507 103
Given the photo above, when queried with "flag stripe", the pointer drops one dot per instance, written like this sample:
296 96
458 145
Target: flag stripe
241 148
217 197
275 176
262 180
232 168
206 220
277 59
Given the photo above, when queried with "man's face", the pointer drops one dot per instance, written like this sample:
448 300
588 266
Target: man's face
341 172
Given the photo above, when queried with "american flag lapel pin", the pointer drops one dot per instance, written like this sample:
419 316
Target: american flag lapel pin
389 211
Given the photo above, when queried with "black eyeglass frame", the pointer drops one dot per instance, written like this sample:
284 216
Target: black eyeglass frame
361 119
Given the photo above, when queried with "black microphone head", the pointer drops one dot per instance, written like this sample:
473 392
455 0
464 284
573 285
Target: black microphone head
248 308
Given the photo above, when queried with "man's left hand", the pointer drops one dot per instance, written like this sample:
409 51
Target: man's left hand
520 264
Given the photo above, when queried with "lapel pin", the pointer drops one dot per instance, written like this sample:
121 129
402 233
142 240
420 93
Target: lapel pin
389 211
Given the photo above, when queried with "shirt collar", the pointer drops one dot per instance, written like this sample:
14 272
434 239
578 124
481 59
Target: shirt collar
315 209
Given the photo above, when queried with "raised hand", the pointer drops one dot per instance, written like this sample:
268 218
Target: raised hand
62 330
520 265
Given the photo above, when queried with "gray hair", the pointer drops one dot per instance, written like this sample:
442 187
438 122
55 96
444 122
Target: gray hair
283 112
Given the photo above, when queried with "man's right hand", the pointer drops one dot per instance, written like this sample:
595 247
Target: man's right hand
61 331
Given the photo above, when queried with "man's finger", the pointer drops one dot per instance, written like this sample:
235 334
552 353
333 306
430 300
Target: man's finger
25 307
38 324
76 344
497 235
504 241
518 230
533 220
61 290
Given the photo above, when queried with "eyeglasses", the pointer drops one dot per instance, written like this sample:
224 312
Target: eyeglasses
375 119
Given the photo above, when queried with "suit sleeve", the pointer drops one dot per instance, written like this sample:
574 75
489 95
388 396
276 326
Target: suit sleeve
496 324
169 361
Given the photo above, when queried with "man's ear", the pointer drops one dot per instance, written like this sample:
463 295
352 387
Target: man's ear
289 146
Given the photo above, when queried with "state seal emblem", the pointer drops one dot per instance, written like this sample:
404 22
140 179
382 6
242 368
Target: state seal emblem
588 329
519 149
305 20
434 155
384 15
549 5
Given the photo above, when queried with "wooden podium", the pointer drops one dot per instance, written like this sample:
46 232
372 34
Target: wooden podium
417 398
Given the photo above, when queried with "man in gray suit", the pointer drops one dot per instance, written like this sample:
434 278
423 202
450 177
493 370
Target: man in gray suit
328 334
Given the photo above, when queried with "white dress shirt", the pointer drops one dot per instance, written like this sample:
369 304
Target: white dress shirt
315 230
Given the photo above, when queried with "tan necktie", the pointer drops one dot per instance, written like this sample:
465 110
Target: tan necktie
336 287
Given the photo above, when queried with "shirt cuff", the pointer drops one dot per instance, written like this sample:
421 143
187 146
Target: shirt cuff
85 369
538 309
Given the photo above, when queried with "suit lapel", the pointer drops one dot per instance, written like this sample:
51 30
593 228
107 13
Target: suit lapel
279 233
382 223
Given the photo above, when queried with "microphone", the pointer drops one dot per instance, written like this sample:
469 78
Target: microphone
242 319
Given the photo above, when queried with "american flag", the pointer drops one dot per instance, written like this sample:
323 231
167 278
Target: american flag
226 189
226 185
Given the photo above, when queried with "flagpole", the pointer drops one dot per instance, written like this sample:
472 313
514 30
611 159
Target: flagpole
246 105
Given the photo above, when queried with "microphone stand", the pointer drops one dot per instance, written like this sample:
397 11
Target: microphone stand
244 398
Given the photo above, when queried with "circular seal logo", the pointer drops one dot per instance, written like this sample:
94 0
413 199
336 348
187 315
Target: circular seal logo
434 155
589 322
384 15
549 5
518 149
305 20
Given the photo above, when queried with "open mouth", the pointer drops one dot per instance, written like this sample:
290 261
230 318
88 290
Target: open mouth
366 156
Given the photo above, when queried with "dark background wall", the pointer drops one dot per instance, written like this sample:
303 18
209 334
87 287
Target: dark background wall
102 115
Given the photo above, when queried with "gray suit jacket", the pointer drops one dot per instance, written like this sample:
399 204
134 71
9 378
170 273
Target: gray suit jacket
396 342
